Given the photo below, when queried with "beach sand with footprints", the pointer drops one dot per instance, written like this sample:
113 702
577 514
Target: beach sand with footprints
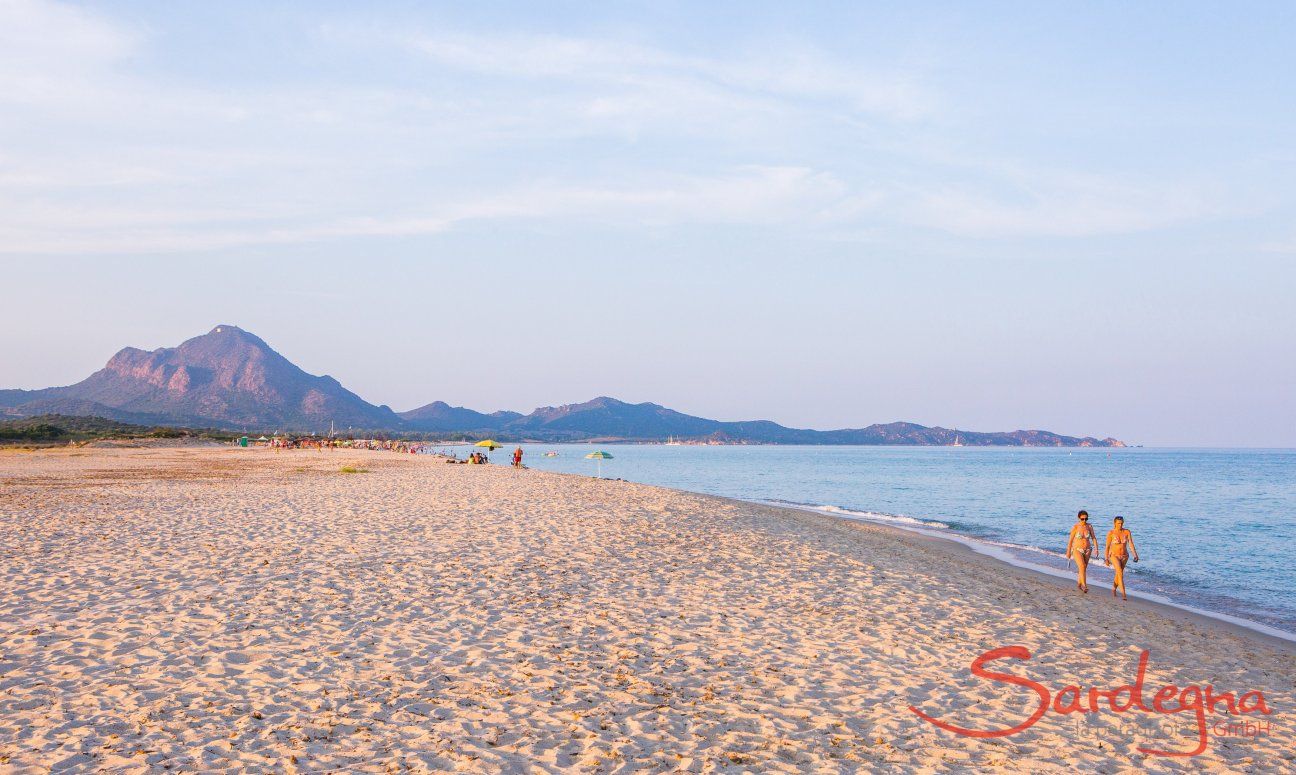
246 609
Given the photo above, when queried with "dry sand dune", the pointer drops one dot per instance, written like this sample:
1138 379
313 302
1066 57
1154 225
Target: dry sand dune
252 610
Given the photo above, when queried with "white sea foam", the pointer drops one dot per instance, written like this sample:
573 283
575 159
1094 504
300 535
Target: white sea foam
878 516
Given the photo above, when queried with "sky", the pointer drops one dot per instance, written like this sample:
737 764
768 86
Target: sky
1077 217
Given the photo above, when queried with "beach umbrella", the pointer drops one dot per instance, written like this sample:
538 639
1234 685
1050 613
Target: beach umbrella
600 456
490 444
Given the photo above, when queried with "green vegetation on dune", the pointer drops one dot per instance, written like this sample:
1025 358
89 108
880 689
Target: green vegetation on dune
37 432
60 428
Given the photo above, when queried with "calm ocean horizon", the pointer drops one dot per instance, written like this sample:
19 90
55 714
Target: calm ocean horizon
1215 528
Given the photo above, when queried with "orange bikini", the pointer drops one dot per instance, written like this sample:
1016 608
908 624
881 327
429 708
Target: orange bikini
1118 544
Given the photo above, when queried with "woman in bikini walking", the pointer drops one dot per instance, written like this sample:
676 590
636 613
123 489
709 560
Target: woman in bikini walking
1080 548
1120 546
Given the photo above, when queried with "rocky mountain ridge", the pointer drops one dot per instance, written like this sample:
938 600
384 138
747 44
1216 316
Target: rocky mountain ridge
230 378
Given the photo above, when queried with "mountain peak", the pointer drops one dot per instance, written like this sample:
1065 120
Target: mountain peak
226 377
440 416
225 333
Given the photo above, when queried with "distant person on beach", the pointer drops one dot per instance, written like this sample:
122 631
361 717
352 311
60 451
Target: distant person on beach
517 458
1120 547
1080 547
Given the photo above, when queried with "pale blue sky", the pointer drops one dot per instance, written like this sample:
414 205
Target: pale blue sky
989 216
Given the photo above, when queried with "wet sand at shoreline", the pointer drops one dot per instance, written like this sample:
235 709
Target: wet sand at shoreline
250 609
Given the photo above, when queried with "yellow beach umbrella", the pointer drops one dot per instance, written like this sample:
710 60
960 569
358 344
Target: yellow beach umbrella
490 444
600 456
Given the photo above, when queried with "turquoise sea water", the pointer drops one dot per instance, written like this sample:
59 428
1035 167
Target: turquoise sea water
1215 529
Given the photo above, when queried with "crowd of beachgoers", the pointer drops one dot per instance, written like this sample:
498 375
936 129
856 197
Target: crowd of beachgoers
383 445
313 442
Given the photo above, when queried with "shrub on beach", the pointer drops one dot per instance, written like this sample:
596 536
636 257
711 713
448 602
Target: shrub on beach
34 432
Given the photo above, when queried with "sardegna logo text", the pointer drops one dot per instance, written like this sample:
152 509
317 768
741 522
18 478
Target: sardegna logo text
1168 700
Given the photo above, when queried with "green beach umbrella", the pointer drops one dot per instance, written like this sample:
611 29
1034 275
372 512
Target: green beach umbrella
600 456
490 444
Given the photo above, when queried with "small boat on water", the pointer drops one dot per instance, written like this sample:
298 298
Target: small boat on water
551 453
956 443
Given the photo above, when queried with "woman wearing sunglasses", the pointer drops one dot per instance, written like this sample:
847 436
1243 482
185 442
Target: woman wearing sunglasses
1080 547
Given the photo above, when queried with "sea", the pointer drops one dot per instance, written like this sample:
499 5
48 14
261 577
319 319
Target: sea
1215 528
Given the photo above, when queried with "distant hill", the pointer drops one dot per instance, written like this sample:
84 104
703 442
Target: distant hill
226 377
440 416
608 418
229 378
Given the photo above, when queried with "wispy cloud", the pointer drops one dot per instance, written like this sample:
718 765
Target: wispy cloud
795 75
749 195
1287 246
41 41
101 152
1056 204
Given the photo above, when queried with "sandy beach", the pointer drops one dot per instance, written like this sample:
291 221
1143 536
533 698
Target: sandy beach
247 609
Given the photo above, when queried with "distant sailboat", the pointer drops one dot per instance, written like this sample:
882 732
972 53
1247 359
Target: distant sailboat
956 443
671 442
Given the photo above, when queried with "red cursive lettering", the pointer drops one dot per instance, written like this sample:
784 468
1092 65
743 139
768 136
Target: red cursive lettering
1070 699
978 670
